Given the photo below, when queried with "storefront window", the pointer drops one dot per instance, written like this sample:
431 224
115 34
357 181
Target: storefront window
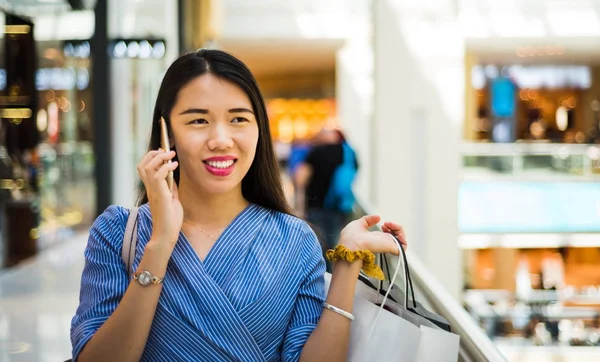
64 120
533 103
50 147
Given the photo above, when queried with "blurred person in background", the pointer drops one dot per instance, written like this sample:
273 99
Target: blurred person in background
324 186
223 270
299 151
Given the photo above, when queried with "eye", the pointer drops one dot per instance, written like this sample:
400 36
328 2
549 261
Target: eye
198 121
239 120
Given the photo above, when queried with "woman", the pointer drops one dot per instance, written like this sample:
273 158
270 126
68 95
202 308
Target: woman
243 279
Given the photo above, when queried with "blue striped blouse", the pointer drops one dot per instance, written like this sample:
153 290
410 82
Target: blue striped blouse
257 296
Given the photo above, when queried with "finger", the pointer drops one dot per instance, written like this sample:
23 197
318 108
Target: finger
159 160
402 242
141 168
398 233
386 229
401 238
380 242
393 226
369 221
157 182
149 156
164 170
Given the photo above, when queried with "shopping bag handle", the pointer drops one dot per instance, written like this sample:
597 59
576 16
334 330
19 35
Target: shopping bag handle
408 285
383 263
408 279
400 260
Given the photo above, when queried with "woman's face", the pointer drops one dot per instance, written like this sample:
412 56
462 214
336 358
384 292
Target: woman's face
215 133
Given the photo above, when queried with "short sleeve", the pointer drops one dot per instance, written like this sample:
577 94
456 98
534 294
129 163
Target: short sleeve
104 279
309 301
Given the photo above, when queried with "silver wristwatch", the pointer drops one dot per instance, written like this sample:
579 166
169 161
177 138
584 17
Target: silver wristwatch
145 278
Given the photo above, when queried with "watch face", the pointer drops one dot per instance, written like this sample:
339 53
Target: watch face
145 278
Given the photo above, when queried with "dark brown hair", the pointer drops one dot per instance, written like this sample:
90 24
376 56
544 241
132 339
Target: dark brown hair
262 184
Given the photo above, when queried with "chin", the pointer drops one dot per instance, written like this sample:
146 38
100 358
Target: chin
221 187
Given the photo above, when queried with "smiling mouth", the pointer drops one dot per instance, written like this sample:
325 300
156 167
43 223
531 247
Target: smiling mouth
220 164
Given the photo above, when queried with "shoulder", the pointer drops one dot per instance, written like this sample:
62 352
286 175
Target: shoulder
114 217
109 227
288 222
144 213
294 230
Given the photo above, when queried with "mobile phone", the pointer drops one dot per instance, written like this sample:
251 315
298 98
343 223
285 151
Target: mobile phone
164 143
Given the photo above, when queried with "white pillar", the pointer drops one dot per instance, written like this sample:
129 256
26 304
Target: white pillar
171 30
354 95
134 86
419 107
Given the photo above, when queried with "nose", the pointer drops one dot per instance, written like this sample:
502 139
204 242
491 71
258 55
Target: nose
220 138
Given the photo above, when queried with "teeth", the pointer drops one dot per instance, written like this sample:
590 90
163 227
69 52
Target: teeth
220 164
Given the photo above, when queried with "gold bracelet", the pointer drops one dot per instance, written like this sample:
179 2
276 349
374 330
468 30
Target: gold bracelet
369 267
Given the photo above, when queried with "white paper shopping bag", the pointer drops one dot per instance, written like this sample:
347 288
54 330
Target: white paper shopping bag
386 338
377 334
437 345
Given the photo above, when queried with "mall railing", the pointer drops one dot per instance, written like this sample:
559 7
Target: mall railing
531 161
475 345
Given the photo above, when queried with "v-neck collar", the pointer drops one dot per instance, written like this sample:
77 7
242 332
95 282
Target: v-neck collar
209 309
220 240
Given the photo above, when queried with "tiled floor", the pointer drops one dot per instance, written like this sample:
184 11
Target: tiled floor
37 302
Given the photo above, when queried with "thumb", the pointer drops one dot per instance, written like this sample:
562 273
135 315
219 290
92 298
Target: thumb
370 220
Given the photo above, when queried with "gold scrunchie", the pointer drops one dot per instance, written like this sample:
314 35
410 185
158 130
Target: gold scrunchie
369 267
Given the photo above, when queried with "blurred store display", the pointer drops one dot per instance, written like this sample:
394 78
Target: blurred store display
299 120
529 205
542 103
45 140
19 206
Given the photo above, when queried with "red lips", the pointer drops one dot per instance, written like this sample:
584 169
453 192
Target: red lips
220 171
220 158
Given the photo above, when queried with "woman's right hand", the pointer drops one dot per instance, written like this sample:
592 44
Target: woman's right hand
167 212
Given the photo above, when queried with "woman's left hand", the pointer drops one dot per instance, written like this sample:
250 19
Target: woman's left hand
356 236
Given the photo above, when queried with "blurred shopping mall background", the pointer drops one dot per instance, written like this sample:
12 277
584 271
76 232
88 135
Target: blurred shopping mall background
476 124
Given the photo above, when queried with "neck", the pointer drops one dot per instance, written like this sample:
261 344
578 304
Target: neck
210 210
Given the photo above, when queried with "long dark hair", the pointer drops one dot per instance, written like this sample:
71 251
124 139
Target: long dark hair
262 184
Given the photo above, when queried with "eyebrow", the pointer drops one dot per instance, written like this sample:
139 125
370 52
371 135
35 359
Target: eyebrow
240 110
205 111
194 110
